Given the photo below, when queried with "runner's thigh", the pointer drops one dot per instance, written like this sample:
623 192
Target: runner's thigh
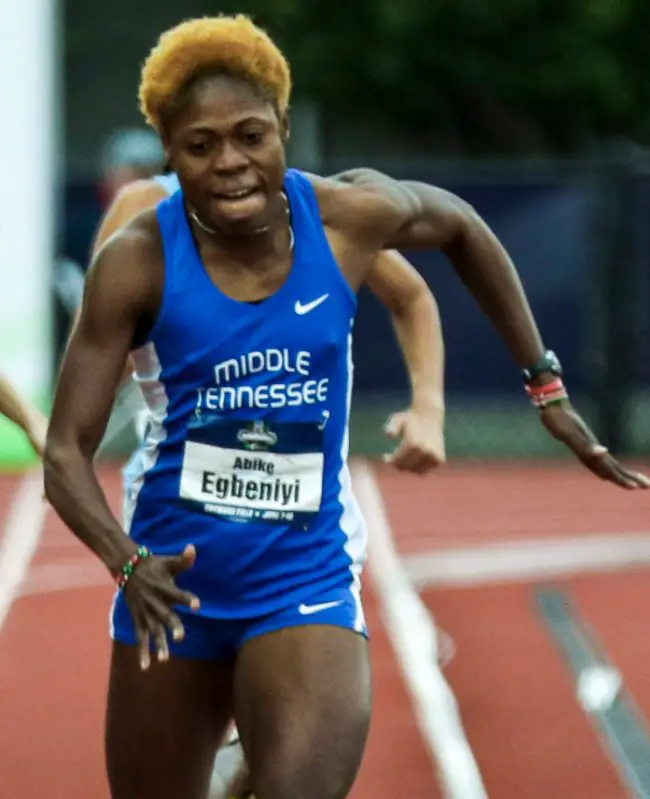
302 701
164 725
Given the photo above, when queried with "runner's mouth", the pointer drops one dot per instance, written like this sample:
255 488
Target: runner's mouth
239 194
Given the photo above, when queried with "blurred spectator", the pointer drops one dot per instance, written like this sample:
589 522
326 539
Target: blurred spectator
129 154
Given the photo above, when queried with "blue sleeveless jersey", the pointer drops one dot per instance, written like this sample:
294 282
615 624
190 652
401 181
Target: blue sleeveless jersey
247 441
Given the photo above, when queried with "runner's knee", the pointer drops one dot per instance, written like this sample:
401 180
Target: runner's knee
319 760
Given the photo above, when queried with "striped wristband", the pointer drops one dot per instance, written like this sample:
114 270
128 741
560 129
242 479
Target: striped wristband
548 394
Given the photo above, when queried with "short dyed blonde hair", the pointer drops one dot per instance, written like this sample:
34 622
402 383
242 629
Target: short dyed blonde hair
233 44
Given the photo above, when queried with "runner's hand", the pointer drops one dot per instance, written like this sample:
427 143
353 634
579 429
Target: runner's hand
566 425
422 440
151 594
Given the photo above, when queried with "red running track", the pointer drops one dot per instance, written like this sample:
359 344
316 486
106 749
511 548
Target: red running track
530 738
528 733
53 668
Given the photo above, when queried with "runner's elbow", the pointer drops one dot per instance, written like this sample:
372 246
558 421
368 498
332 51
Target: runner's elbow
59 458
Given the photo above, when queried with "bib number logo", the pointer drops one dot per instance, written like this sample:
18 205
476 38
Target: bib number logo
261 437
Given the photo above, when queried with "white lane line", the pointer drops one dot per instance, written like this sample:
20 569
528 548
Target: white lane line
21 533
521 561
413 636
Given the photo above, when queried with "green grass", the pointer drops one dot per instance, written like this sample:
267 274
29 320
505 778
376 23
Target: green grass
15 451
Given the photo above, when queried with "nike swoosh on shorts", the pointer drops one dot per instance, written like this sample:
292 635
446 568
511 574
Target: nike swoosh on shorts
307 610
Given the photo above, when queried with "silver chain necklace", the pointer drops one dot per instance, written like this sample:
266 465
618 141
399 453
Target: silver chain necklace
210 231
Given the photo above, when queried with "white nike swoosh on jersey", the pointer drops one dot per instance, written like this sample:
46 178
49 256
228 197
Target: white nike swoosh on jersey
307 610
303 309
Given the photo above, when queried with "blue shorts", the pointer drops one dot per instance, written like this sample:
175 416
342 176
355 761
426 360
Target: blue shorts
207 638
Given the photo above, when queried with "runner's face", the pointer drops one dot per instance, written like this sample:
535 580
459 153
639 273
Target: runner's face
227 147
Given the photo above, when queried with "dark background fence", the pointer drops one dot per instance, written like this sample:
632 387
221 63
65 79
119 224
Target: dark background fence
578 233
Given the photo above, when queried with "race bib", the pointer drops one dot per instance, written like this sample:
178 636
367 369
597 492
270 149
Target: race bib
246 471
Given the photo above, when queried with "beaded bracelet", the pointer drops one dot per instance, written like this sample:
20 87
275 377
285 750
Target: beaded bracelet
142 553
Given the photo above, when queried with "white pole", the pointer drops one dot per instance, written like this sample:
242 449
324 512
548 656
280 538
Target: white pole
28 144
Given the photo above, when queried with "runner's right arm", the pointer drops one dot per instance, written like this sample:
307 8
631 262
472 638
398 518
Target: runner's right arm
115 296
122 295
